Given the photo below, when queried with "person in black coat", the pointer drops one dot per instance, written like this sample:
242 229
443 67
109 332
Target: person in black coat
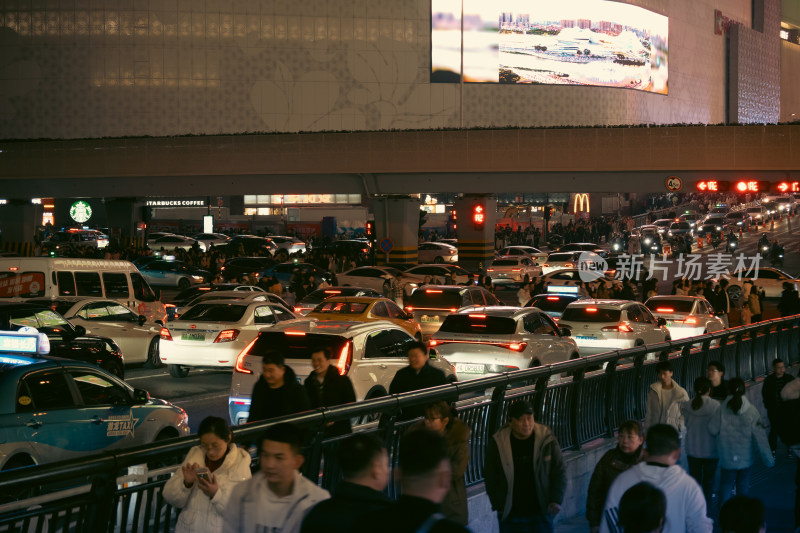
771 394
325 387
365 469
419 374
789 303
277 392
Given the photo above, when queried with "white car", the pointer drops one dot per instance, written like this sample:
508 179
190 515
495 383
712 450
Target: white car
568 280
368 353
212 333
558 260
137 338
528 251
767 278
290 244
211 238
458 274
778 204
376 277
663 224
171 242
686 316
600 326
486 341
437 252
239 296
513 269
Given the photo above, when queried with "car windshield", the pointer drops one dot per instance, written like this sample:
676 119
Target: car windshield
715 220
753 209
480 324
59 307
551 303
215 313
393 271
295 346
345 308
506 262
591 314
669 306
680 225
436 299
561 257
783 200
735 215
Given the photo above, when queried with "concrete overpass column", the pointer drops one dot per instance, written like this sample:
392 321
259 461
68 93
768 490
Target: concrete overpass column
475 241
19 220
396 219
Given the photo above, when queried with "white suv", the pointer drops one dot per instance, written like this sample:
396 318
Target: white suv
368 353
600 326
486 341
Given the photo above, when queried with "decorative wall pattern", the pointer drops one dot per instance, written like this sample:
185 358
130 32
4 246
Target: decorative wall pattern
108 68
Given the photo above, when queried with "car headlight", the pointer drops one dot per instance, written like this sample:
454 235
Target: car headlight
719 228
197 278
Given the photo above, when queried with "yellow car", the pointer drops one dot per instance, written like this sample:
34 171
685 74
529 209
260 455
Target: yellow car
361 309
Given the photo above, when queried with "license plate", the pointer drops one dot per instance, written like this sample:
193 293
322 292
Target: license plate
669 323
468 368
426 318
586 337
193 337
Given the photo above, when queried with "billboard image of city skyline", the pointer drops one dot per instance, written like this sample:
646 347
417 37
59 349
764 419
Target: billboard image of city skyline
579 42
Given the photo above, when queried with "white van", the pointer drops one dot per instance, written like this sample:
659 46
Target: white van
49 277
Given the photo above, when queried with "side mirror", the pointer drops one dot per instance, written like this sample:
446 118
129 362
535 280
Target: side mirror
80 331
140 396
564 331
142 320
661 322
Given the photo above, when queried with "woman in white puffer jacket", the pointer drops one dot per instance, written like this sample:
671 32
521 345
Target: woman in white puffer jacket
203 497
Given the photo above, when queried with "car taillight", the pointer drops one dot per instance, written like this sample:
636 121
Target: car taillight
165 335
239 366
552 298
690 320
489 270
665 310
516 270
625 328
298 309
515 346
545 265
568 265
227 335
169 305
409 309
345 358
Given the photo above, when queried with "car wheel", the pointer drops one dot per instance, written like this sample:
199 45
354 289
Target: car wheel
178 371
153 355
113 367
438 259
183 283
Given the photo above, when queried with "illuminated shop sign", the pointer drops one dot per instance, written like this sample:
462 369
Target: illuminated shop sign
175 202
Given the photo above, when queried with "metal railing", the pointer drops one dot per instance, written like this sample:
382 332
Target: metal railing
581 400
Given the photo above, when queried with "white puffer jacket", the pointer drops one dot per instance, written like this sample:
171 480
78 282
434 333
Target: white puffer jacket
200 513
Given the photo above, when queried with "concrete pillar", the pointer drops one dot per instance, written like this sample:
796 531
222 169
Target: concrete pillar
122 216
475 245
19 220
396 219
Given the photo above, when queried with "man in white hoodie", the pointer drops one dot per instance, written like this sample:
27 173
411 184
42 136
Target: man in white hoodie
686 506
278 497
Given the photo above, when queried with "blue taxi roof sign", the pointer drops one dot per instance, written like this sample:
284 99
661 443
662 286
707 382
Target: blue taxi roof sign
26 340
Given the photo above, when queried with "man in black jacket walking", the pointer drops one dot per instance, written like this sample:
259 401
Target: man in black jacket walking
771 394
365 468
326 387
789 303
277 392
419 374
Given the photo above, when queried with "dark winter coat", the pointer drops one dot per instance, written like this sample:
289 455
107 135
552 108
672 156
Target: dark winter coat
612 464
340 513
771 390
407 380
269 403
335 389
789 303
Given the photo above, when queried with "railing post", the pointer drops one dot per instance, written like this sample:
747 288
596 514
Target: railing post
638 365
539 392
611 397
314 460
496 409
103 514
575 407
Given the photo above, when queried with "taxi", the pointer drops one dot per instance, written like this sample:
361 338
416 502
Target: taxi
364 309
55 409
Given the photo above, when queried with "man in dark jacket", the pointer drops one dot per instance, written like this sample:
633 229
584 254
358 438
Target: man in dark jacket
771 394
715 373
524 473
326 387
365 468
419 374
277 392
789 304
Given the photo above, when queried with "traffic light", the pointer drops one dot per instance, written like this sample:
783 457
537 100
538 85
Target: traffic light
370 230
478 216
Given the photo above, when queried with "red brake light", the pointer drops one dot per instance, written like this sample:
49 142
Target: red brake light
433 291
516 270
432 343
545 265
690 320
453 309
227 335
239 366
333 292
165 335
169 305
552 298
568 265
298 309
345 358
477 316
625 328
516 346
489 270
665 310
591 309
409 308
297 333
13 269
206 288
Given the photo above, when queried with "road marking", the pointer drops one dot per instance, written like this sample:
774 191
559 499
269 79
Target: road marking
147 377
199 398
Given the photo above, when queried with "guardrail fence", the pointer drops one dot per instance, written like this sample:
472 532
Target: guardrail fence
581 400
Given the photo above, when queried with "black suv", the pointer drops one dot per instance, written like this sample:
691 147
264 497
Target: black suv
237 267
251 245
66 340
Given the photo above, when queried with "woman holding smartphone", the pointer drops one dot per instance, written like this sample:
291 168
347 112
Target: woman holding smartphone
202 485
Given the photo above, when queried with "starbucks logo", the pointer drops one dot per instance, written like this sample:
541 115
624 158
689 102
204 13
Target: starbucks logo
80 211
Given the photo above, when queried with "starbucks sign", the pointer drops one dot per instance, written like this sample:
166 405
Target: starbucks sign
80 211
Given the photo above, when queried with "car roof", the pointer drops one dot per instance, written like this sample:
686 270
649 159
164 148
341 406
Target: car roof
332 327
675 297
443 288
355 299
609 304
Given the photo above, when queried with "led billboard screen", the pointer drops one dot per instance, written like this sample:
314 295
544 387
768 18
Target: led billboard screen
555 42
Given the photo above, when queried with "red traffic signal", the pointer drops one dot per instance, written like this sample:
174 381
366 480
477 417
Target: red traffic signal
478 216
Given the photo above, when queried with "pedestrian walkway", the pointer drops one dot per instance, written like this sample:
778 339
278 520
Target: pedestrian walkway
773 486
